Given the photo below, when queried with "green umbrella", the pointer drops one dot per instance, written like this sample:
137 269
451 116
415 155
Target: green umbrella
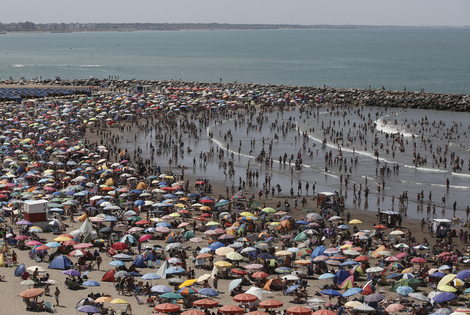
301 237
171 295
134 218
269 210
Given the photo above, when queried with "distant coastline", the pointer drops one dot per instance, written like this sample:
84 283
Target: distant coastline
30 27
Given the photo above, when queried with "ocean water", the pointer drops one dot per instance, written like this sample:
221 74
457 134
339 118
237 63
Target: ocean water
435 60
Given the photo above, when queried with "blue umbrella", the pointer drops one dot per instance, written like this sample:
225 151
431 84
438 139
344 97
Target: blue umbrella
349 263
404 290
208 292
444 297
150 276
283 270
352 292
343 227
88 309
394 275
464 274
161 289
53 245
91 283
173 270
265 256
117 263
437 274
326 276
233 284
301 222
292 288
331 292
164 224
216 245
139 203
445 267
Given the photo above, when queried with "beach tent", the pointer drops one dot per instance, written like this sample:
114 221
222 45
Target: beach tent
189 235
348 283
19 270
60 262
161 271
318 251
341 275
131 239
170 238
109 276
301 237
270 282
368 288
141 186
139 262
86 227
148 256
358 269
109 182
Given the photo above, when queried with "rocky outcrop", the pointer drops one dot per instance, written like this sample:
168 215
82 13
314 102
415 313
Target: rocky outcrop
358 97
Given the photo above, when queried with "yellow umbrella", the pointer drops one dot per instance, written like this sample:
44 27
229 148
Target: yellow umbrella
345 246
445 280
102 299
119 301
246 214
187 283
62 239
223 251
180 205
156 220
355 221
212 223
275 223
175 214
282 253
223 264
447 288
407 270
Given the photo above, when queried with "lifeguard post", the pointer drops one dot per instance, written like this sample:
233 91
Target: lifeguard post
143 89
35 212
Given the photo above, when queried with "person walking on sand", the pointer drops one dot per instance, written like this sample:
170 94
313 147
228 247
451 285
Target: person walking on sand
56 295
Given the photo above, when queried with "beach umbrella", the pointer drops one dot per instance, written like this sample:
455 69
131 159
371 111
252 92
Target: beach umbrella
71 272
376 297
193 312
260 274
88 309
394 307
331 292
270 304
351 292
234 283
223 264
171 296
31 293
419 297
231 309
352 304
150 276
245 298
292 288
187 283
117 263
28 282
234 256
326 276
208 292
254 267
161 289
187 291
299 310
404 290
167 307
205 303
257 313
419 260
364 308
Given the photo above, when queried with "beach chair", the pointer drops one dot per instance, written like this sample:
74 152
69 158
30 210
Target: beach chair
140 301
49 307
158 262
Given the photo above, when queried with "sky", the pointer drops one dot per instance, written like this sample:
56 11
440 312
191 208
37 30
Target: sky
304 12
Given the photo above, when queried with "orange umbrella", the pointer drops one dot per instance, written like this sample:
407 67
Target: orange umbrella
299 310
167 307
31 293
257 313
193 312
66 235
205 303
245 298
231 309
260 274
324 312
271 304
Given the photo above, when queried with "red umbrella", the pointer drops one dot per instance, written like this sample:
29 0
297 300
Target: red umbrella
206 201
193 312
205 215
167 307
361 258
260 274
31 293
444 254
399 256
257 313
419 260
299 310
83 246
271 304
394 307
238 272
42 247
145 237
142 222
119 246
231 309
200 219
76 253
245 298
324 312
205 303
380 226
